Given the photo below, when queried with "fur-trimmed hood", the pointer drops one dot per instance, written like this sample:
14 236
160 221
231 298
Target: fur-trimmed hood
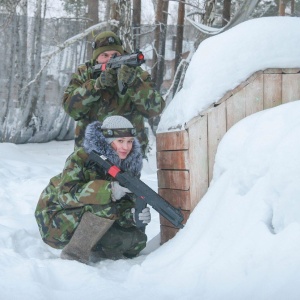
95 140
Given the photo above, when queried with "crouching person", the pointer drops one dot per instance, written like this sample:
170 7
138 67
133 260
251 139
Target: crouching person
83 210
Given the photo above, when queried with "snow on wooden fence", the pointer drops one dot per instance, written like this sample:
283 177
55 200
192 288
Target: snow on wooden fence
185 158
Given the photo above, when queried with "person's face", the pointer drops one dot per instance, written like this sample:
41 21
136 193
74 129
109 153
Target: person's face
122 146
104 57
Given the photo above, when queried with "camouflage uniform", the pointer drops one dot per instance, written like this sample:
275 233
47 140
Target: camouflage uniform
81 188
85 104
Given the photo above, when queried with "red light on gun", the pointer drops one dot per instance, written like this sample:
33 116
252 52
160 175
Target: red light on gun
141 56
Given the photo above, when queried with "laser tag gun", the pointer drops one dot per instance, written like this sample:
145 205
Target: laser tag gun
145 195
131 60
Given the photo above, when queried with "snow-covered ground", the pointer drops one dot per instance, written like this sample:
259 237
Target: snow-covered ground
242 241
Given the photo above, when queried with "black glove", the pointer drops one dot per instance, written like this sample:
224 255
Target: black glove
127 75
107 78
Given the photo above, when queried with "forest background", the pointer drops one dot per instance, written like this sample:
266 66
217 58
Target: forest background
43 41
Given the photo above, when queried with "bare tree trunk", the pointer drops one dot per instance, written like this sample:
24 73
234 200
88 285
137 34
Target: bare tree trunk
92 14
179 32
161 20
23 70
107 11
158 25
179 41
31 122
226 12
282 5
124 12
11 71
209 16
114 12
292 7
136 23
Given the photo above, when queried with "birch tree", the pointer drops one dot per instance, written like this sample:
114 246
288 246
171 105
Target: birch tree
124 30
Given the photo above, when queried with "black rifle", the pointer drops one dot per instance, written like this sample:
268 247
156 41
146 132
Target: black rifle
143 192
131 60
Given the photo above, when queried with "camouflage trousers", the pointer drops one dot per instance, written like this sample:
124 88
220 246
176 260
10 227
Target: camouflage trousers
122 241
58 232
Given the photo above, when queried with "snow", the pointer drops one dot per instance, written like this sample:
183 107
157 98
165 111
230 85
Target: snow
242 241
222 62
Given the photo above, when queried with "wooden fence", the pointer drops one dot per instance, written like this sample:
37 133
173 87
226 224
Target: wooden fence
185 159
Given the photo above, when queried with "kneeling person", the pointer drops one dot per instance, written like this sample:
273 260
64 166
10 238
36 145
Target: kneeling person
83 210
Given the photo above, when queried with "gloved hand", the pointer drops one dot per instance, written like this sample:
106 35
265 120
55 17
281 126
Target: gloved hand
127 75
144 216
89 84
118 191
107 78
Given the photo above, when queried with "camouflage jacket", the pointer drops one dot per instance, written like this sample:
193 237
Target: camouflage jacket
85 104
81 187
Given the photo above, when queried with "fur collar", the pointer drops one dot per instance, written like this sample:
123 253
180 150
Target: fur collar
95 140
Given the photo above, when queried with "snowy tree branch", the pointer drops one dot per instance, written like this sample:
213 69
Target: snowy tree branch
243 14
68 43
79 37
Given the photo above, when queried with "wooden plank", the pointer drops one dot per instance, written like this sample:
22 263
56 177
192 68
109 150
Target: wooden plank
216 130
174 140
240 87
253 94
290 87
272 93
167 233
291 70
273 71
227 95
172 160
235 109
185 213
195 119
177 198
198 157
177 180
254 76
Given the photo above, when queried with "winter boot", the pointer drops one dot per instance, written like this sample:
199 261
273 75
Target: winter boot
89 231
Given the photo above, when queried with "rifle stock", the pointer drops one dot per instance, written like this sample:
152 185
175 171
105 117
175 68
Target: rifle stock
145 195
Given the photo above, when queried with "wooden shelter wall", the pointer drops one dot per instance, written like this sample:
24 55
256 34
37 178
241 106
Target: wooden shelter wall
185 159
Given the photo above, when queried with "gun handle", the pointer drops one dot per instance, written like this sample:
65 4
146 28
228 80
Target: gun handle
140 204
122 87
